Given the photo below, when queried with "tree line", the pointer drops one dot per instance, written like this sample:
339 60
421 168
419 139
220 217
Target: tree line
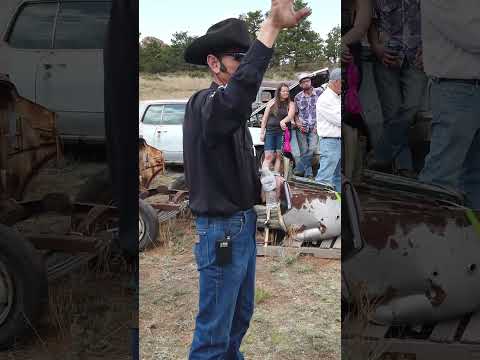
296 49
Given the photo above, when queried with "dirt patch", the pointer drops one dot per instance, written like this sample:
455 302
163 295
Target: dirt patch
297 312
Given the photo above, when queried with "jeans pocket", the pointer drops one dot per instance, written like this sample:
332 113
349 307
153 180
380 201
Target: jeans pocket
234 226
202 252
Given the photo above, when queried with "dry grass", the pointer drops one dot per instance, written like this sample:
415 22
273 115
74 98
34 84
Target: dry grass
153 87
156 87
360 318
90 311
297 312
88 317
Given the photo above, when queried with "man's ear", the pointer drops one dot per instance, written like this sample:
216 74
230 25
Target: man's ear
213 63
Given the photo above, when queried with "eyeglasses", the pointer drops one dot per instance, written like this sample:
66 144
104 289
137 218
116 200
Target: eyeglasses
238 56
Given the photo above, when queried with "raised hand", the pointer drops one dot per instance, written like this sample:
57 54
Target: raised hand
283 15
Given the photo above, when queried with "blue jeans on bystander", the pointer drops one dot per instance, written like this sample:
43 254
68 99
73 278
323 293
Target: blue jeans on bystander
330 156
454 158
307 144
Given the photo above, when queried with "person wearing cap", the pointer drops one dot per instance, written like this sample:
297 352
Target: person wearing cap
306 123
222 178
329 129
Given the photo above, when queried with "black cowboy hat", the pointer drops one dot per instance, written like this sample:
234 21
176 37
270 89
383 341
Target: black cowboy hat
229 34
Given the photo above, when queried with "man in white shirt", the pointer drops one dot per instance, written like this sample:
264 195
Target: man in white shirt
451 58
329 128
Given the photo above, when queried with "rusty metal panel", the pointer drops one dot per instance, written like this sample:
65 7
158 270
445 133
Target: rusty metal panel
151 163
421 250
28 138
313 207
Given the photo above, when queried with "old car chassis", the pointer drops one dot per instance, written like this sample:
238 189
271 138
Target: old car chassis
29 258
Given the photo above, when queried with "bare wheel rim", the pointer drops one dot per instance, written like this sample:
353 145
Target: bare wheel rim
7 292
141 228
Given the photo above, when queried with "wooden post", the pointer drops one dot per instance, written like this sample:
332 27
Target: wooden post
267 227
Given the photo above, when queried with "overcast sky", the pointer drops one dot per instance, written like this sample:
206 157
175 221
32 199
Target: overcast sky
163 18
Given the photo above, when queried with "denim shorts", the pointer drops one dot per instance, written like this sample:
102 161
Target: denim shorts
273 140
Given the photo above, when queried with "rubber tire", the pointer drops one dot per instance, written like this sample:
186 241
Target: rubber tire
28 272
97 189
150 218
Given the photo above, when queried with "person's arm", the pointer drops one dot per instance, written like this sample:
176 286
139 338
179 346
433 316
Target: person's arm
457 22
362 23
289 117
376 44
266 114
229 107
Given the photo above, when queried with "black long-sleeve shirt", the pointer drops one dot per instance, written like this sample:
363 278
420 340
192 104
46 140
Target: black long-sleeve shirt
219 160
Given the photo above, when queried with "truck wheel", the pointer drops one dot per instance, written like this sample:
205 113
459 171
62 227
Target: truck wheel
23 286
147 225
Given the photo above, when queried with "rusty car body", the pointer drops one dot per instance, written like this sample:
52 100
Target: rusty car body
29 258
410 278
410 255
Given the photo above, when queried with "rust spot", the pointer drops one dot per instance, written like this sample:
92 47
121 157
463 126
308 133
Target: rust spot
301 196
435 294
376 232
322 228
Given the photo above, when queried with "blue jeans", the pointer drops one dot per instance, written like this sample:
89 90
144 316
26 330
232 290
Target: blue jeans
226 293
330 156
273 140
454 158
307 143
400 91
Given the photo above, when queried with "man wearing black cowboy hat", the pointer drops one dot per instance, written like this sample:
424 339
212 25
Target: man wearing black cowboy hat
221 174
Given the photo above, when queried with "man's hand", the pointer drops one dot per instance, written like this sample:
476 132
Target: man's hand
386 58
300 126
283 15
